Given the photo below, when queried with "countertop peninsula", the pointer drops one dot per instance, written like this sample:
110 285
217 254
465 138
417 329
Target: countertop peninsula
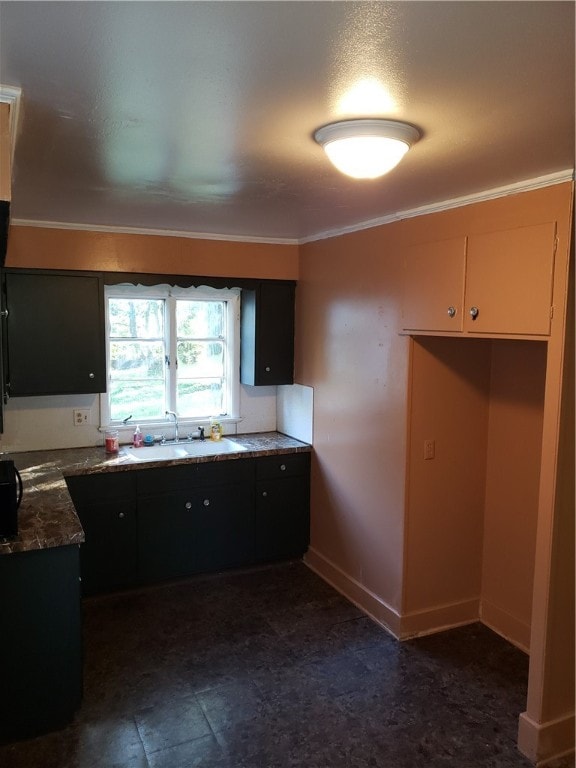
47 517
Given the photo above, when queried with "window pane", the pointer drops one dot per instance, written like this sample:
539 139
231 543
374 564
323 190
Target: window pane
136 318
200 319
200 358
203 397
137 360
142 400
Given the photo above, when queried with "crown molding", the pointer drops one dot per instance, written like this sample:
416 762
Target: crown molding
153 232
490 194
12 95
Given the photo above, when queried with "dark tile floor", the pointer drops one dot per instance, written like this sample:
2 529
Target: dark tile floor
272 668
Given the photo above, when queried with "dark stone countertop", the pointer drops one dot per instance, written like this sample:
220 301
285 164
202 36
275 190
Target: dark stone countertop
47 517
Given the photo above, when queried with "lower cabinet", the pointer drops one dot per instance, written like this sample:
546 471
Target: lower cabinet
149 525
196 529
40 641
282 506
106 506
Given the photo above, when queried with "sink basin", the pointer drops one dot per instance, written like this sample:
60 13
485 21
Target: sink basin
183 450
155 453
213 447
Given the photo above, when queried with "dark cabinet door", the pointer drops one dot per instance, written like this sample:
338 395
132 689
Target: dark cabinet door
282 518
195 530
54 333
282 506
109 556
40 641
106 506
267 334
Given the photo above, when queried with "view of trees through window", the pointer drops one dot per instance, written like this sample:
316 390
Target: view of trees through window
166 354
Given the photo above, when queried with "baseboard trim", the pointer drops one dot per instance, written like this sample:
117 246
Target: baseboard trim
505 625
353 590
544 742
439 618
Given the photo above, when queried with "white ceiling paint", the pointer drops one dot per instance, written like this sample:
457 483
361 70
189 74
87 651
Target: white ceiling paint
197 117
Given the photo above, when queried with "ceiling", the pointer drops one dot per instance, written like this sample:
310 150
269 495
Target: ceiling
197 117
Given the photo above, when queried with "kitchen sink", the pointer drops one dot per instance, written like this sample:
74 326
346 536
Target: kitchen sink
213 447
183 450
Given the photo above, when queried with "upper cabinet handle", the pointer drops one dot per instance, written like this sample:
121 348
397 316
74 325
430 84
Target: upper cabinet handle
451 311
474 312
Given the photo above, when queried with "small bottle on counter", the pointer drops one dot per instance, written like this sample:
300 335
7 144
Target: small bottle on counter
111 441
138 438
215 429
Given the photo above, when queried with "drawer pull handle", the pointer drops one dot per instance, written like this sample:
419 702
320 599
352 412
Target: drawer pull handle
206 502
267 369
451 311
90 375
264 493
121 515
282 467
188 505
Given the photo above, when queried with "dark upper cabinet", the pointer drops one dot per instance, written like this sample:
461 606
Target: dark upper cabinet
267 334
54 333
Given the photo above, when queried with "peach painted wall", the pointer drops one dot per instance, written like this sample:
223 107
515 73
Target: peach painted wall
562 613
547 727
518 375
349 350
449 398
44 248
348 308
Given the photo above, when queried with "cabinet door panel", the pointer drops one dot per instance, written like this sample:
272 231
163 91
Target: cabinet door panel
40 643
223 527
282 518
165 536
106 506
55 334
109 555
509 280
433 283
267 330
195 530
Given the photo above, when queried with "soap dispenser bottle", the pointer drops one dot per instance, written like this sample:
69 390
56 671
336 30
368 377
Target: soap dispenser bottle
138 439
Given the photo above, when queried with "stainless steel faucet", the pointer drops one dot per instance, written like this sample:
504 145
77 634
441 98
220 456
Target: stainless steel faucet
171 413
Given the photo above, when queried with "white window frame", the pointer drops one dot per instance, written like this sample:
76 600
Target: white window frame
171 293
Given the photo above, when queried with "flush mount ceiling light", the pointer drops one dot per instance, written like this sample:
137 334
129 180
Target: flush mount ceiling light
366 148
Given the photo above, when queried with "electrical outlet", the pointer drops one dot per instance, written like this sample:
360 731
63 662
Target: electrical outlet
81 416
429 449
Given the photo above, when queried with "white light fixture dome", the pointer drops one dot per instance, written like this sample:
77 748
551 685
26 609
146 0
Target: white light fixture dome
366 148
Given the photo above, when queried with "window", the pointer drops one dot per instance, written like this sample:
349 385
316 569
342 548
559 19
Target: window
171 349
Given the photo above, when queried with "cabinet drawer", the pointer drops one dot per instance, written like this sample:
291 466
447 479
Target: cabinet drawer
282 465
87 489
168 479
